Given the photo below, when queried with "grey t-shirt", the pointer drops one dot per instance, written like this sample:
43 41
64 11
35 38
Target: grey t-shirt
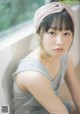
25 102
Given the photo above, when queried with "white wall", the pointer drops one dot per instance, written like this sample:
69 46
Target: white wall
10 55
75 49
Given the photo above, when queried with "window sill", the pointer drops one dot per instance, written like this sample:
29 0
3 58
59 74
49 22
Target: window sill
17 36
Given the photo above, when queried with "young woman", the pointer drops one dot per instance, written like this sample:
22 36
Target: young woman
39 75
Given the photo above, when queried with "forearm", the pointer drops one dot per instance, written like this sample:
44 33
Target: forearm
76 97
59 108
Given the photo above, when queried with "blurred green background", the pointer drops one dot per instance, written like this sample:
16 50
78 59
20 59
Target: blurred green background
71 1
15 12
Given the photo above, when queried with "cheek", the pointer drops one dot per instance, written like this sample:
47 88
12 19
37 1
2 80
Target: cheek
50 41
47 42
68 43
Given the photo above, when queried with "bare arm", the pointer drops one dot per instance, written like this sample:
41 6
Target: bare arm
73 83
41 89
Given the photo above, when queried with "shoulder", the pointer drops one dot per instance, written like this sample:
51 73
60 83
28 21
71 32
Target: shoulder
31 79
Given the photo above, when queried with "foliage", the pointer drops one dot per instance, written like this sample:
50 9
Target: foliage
15 12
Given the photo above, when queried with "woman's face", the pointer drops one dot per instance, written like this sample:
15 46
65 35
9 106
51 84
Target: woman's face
56 42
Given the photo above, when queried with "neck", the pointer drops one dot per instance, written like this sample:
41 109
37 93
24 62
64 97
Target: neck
47 58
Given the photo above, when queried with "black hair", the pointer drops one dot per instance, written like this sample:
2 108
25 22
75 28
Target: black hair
54 1
60 21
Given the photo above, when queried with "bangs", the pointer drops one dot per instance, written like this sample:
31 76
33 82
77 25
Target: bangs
59 21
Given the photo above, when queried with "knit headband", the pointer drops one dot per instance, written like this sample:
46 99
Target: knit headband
53 7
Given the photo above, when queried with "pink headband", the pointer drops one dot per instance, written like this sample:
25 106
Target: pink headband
48 9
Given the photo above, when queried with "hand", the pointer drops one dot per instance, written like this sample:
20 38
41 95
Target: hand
76 111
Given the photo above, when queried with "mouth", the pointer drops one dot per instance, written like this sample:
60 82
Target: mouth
59 49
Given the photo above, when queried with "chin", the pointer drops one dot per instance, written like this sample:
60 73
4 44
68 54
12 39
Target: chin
58 54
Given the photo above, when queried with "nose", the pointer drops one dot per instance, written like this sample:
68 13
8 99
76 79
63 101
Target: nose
58 40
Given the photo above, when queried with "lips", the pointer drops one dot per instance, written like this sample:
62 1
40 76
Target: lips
58 49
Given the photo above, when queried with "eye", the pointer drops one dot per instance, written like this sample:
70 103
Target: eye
67 34
52 33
